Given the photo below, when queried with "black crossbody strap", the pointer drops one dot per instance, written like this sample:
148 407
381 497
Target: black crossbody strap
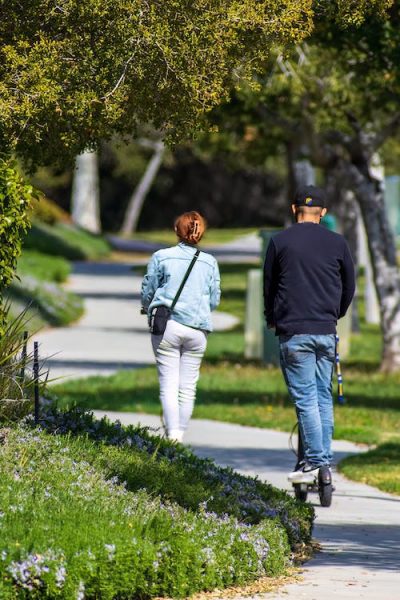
178 293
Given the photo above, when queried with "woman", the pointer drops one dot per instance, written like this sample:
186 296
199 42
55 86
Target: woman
180 349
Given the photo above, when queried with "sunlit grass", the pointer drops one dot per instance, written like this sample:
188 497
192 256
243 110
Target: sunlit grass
212 237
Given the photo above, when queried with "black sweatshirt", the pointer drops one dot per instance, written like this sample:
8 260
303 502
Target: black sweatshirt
309 280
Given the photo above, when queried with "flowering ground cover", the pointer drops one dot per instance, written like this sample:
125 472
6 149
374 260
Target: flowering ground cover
90 509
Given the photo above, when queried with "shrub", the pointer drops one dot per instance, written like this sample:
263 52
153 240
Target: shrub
68 531
15 197
47 211
67 241
16 381
56 305
43 267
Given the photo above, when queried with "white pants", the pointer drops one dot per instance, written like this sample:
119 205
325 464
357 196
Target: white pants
178 354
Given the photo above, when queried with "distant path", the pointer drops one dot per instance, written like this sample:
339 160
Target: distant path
359 533
112 334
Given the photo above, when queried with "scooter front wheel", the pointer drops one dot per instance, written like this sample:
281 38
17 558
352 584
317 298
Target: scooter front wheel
325 488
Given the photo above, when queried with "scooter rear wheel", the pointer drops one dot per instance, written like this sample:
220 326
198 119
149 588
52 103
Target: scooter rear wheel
300 491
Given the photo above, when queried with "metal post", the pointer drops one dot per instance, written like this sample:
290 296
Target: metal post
23 356
36 379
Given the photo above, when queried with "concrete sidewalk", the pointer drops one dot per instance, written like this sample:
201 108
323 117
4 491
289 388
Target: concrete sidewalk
359 533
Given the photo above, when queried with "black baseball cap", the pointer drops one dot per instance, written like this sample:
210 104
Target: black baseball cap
309 195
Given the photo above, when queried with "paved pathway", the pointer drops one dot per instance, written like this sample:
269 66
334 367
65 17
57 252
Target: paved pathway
359 533
112 335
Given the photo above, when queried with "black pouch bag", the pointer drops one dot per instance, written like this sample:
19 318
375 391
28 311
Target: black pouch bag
160 315
158 319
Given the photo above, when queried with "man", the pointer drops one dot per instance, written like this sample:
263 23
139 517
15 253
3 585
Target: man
308 285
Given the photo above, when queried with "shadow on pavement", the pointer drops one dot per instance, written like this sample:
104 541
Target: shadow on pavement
374 547
109 295
85 364
102 268
254 459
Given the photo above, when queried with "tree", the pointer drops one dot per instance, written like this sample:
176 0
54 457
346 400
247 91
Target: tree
335 101
73 73
138 197
85 208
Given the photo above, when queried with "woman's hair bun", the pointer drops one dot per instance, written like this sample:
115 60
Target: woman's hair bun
190 227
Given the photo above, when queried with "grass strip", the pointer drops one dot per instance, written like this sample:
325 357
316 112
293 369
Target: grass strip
66 240
43 267
379 467
212 236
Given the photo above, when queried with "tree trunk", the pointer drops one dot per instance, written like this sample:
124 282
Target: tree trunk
350 214
139 195
369 191
300 171
85 193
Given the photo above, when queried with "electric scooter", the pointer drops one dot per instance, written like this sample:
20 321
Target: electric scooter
322 483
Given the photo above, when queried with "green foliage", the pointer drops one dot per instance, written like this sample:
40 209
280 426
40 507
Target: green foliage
16 382
66 240
43 266
15 197
343 81
47 211
74 74
70 527
355 12
55 305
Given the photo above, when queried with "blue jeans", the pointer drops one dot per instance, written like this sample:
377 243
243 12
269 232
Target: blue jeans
307 364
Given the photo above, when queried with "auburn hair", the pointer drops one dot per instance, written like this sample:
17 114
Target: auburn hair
190 227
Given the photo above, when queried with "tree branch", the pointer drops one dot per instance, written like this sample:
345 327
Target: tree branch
389 129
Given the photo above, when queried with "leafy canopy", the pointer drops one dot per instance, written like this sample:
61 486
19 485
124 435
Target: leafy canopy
73 72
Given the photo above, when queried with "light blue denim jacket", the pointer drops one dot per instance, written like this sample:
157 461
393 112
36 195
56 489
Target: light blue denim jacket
201 293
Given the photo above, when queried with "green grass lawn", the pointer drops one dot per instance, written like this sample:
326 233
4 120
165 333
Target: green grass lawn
36 289
65 240
211 238
43 266
246 392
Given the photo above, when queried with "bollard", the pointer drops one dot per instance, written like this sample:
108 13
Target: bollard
270 345
254 323
36 379
23 356
339 376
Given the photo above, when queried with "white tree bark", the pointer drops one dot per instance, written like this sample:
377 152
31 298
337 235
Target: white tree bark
372 313
304 172
139 195
85 193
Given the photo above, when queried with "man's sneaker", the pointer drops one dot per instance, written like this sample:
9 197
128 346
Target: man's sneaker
304 473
